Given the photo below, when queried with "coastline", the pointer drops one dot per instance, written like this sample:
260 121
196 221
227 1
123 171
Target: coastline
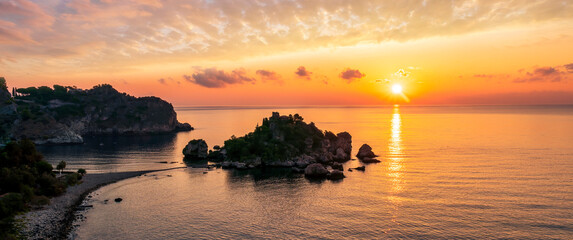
54 220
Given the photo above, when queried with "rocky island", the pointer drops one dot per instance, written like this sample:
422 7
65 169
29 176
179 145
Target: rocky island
281 141
62 115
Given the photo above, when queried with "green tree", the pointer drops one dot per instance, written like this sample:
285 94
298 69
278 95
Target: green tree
61 166
3 85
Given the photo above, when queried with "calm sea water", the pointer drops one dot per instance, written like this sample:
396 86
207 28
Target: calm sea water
446 172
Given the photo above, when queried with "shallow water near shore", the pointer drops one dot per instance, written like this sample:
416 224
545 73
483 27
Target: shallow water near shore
446 172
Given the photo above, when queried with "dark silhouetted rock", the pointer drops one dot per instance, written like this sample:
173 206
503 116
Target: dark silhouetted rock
297 170
344 142
335 175
337 166
315 170
365 151
118 199
369 160
340 156
361 168
196 149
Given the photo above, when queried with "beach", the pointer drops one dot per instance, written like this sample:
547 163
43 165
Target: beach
54 220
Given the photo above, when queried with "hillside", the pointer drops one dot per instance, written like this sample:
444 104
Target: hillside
64 114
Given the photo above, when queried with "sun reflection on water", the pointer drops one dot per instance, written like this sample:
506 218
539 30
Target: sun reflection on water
395 155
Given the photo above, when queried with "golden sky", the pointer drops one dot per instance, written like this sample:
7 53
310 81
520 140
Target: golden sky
295 52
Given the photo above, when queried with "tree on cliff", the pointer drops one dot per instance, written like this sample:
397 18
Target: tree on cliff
3 85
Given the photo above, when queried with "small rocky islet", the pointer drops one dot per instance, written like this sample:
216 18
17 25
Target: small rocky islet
283 141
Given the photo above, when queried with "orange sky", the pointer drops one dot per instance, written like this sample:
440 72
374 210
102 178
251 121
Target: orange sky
295 52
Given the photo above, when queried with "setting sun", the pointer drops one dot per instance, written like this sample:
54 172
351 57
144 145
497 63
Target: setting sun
397 88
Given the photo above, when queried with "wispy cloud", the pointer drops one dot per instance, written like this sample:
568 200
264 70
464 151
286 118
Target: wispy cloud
217 28
268 75
544 74
213 78
569 67
483 75
351 75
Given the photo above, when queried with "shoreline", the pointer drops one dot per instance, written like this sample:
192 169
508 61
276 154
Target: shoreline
54 221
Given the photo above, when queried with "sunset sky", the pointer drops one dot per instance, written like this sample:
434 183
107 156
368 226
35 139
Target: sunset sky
295 52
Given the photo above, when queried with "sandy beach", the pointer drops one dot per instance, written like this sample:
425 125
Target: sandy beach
54 220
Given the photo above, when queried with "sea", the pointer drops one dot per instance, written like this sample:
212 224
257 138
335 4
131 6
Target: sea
446 172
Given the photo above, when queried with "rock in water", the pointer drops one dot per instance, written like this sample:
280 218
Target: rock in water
336 175
365 151
196 149
369 160
361 168
315 170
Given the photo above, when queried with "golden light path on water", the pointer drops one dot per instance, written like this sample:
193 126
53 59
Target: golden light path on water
395 157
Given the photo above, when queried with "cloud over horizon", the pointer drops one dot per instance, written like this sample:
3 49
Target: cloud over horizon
351 75
213 78
545 74
267 75
301 72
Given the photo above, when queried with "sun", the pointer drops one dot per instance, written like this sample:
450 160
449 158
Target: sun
397 88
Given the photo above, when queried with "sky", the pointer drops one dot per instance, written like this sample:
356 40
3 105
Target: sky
296 52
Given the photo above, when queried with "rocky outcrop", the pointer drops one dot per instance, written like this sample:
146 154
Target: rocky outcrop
315 170
335 175
65 114
366 155
196 149
365 151
369 160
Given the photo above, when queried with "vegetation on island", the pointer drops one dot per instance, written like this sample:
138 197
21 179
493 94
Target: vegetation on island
280 141
278 138
26 180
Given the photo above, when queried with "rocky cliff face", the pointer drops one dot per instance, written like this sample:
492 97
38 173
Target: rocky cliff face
65 114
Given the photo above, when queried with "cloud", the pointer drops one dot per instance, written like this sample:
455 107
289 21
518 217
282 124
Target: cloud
351 75
546 71
213 78
401 73
303 73
166 81
544 74
483 75
569 67
267 75
220 30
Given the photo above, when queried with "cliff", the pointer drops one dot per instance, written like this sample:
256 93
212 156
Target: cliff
61 114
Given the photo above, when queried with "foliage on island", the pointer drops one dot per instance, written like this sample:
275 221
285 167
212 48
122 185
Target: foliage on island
62 114
280 141
278 138
26 180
